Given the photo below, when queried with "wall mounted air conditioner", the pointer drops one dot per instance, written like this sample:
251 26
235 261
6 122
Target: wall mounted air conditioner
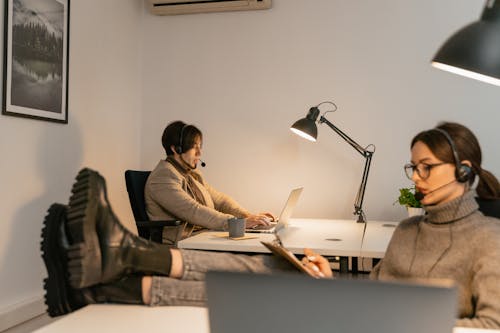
175 7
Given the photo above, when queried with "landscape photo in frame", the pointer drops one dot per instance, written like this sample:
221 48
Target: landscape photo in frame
36 43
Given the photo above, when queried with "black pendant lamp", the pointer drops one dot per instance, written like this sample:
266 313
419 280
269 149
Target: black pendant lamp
474 51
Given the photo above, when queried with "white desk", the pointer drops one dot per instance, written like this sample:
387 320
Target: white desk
377 237
339 238
209 240
111 318
136 318
327 237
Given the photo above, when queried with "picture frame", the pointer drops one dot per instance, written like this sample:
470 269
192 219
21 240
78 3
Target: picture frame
36 59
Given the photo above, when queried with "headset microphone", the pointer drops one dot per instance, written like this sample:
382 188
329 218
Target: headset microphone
203 164
419 195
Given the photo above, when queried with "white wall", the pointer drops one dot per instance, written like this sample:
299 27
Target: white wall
245 77
40 159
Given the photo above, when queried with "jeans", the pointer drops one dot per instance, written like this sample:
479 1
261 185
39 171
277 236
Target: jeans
190 289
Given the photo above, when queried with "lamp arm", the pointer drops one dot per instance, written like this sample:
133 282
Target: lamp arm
344 136
367 154
358 203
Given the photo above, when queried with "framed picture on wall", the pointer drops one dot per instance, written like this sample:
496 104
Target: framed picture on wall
35 72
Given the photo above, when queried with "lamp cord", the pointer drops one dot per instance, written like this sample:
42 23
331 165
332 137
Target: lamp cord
450 233
371 145
328 102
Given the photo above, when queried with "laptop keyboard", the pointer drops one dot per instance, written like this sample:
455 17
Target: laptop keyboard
264 227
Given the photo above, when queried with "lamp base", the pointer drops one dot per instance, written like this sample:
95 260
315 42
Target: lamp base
361 219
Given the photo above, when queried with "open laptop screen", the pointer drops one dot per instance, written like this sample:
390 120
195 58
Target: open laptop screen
285 215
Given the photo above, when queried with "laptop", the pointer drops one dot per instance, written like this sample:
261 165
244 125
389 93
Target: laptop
296 303
284 217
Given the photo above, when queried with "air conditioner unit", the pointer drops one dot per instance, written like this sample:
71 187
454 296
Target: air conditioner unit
175 7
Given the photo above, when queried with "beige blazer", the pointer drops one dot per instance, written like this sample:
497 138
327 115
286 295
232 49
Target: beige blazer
167 197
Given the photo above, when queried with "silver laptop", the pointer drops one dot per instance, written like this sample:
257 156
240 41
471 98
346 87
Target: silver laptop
285 214
295 303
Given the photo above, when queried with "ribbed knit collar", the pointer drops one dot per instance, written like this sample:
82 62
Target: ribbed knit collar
453 210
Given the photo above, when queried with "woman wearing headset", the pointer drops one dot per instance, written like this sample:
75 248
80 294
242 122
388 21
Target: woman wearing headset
453 239
175 188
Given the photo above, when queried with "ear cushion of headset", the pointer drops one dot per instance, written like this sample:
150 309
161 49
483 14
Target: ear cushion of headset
463 173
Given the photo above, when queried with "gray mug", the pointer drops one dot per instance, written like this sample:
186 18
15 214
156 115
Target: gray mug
236 227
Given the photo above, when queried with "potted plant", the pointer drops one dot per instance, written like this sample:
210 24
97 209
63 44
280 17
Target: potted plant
407 198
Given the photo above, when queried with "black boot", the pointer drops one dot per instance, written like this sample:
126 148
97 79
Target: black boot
60 297
127 290
102 250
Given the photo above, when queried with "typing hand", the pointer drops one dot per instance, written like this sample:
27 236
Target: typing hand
270 216
252 221
317 264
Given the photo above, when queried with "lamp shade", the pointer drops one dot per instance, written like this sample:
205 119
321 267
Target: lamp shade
306 127
474 51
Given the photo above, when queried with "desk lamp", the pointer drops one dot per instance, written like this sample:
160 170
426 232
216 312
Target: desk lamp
474 51
306 128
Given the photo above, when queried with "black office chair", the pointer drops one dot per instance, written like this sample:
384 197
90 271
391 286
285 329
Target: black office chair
152 230
489 207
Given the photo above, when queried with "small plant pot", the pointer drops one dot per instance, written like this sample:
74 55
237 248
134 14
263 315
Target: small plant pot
413 211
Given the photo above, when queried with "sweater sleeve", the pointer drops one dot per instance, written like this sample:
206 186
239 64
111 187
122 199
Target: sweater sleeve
166 189
485 282
225 204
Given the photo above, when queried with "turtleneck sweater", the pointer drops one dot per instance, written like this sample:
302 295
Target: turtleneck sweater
453 240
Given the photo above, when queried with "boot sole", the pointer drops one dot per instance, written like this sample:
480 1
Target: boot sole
56 285
84 253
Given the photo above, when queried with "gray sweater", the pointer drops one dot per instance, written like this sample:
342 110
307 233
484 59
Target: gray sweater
454 241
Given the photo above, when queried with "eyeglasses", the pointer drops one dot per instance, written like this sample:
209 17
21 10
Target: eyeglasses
423 169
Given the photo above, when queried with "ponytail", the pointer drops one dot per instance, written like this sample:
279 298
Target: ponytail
488 186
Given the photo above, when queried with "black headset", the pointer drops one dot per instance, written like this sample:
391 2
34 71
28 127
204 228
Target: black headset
462 171
178 148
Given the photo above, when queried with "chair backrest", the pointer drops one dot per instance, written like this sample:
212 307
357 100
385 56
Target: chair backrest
489 207
136 181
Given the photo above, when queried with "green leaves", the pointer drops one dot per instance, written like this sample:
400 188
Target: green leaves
407 197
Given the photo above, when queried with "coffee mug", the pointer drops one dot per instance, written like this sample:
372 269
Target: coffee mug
236 227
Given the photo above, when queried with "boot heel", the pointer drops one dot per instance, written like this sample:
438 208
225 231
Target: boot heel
56 284
85 269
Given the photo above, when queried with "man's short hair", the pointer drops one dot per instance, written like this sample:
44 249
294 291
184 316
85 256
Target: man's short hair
172 137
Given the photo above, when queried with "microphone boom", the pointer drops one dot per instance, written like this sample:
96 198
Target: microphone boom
419 195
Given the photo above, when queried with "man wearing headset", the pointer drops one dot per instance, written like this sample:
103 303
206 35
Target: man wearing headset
175 189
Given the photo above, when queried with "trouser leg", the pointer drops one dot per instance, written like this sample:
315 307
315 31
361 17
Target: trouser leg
197 263
190 290
169 291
